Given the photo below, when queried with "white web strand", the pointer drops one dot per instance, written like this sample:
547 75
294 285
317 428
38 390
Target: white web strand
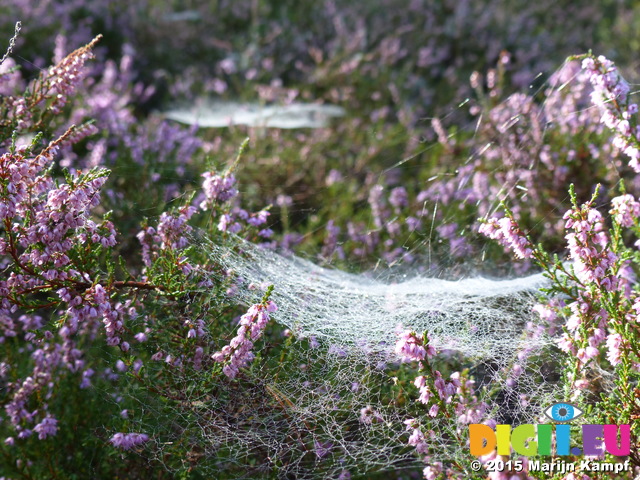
477 317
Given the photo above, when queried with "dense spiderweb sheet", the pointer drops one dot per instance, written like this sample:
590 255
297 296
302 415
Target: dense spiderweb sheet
315 429
477 317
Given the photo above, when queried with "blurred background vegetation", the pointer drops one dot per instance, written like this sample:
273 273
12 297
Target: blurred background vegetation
394 65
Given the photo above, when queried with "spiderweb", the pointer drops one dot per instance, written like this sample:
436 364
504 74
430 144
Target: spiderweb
472 316
304 417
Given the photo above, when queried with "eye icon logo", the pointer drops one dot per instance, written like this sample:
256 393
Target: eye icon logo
563 412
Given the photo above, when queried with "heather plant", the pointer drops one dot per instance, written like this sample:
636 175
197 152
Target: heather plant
79 324
592 298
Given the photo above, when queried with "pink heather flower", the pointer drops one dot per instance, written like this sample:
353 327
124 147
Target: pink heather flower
127 441
587 353
157 357
608 85
322 449
613 346
141 337
380 213
440 385
611 95
368 415
625 210
425 392
86 378
399 198
579 312
271 306
238 353
507 232
470 415
333 177
416 439
566 344
432 471
258 218
410 347
217 189
46 428
172 228
62 79
171 233
344 475
516 370
588 247
546 313
223 223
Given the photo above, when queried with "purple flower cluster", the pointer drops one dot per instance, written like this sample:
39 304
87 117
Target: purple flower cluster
127 441
611 95
53 248
586 327
588 247
231 222
331 246
454 398
569 108
369 415
417 438
217 189
468 408
46 360
514 157
507 232
395 217
432 471
48 427
48 224
49 218
11 81
410 347
614 352
62 79
238 353
625 210
458 244
171 234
